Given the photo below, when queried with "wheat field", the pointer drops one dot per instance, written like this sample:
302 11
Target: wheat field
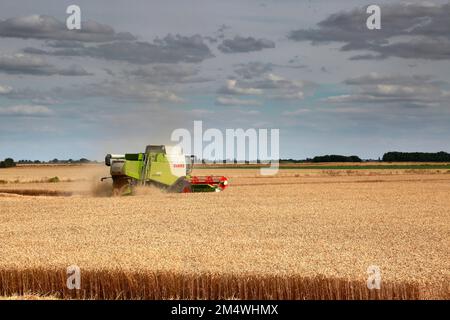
303 234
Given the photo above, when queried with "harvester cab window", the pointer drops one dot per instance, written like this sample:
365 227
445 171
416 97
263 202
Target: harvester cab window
155 149
189 161
132 156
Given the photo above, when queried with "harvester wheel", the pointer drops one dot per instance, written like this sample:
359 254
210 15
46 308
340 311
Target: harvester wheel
187 187
117 192
180 186
120 186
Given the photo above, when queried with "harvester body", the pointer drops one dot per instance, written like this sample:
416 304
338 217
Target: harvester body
163 166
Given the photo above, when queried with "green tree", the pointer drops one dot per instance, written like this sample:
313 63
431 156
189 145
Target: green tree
7 163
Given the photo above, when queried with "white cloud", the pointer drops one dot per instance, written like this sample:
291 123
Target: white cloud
127 91
26 110
280 87
249 112
27 64
5 89
201 112
233 88
339 99
231 101
295 112
292 95
275 87
414 91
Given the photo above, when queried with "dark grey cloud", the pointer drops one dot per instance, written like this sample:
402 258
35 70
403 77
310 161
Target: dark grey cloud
260 78
408 31
281 88
170 49
36 97
375 79
47 27
65 44
257 70
115 90
23 94
211 39
129 91
398 90
270 85
109 72
34 51
252 70
32 65
222 28
242 44
233 88
219 34
272 81
122 90
166 74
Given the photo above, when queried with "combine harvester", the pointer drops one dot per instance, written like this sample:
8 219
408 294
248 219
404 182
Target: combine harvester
165 167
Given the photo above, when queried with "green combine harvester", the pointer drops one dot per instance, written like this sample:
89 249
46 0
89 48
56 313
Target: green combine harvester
165 167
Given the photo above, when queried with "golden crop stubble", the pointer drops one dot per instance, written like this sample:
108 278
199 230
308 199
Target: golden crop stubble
297 238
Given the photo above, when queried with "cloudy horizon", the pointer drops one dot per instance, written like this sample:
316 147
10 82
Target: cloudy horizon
138 70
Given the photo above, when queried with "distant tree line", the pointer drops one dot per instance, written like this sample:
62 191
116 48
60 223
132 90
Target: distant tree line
387 157
80 161
290 161
7 163
326 158
416 157
336 158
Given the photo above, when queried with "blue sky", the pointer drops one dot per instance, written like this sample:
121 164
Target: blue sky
138 70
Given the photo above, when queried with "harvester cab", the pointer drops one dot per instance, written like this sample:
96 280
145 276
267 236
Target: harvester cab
165 167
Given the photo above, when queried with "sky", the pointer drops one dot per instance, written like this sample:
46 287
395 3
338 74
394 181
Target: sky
137 70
